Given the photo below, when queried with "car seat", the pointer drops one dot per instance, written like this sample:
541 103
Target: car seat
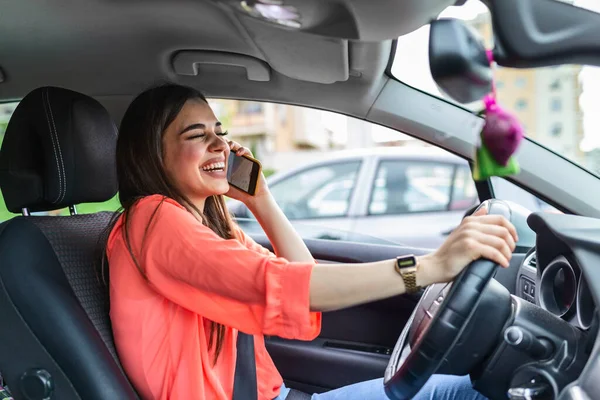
55 336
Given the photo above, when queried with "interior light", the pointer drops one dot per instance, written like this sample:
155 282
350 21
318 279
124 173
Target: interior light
273 11
272 2
276 12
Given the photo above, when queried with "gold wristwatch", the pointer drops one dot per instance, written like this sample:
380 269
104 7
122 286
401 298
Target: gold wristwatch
406 266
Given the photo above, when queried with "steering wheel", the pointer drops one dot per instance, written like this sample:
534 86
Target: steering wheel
437 326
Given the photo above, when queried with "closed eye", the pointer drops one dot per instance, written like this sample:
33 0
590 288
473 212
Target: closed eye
201 135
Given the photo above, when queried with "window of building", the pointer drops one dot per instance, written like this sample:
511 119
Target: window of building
282 111
556 129
250 107
556 104
521 104
521 82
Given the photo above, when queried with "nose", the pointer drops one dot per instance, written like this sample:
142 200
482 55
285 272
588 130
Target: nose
217 143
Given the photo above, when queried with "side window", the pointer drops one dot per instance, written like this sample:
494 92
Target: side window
464 193
319 192
402 187
324 197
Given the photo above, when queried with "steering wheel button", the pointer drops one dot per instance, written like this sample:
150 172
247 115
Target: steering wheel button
513 336
529 299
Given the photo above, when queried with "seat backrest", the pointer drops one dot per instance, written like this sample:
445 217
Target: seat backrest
55 337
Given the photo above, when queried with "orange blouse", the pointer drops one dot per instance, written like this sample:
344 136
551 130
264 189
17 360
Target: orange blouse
161 324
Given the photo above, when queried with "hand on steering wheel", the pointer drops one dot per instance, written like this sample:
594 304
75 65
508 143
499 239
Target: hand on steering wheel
481 235
482 242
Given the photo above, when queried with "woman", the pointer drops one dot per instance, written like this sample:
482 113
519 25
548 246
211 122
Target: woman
184 278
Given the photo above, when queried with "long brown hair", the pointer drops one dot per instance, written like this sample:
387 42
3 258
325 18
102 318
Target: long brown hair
141 173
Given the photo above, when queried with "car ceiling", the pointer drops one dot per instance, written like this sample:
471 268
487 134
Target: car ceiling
114 49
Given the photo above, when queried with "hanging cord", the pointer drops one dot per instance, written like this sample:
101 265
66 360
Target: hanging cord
490 99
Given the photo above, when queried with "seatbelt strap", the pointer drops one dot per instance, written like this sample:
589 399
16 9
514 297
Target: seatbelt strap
244 382
296 395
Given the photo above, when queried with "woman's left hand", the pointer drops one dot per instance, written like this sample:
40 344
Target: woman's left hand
261 186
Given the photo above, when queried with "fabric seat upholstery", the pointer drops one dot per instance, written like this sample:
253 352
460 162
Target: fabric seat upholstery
58 151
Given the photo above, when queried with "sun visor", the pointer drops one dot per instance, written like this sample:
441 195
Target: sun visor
300 55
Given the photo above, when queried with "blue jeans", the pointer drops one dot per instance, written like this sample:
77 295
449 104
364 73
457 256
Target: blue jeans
438 387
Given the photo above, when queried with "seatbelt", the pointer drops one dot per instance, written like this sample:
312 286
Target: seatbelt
244 382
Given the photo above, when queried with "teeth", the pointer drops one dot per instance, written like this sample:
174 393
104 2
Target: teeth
214 166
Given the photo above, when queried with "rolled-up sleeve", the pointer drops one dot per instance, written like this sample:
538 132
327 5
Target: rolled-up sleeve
221 279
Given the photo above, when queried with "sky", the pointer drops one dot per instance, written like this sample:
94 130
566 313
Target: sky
414 73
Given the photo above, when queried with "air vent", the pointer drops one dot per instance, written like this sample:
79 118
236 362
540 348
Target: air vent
531 260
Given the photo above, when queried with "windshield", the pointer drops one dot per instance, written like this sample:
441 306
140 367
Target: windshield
557 105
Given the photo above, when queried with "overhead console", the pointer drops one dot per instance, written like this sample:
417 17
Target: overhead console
364 20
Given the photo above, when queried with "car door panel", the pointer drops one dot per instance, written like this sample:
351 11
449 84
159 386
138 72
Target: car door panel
354 343
329 365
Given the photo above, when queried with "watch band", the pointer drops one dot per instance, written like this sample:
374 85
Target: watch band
406 266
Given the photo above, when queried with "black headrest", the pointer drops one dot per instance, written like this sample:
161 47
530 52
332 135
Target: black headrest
58 150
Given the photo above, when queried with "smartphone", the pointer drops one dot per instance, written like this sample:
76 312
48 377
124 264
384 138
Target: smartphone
243 173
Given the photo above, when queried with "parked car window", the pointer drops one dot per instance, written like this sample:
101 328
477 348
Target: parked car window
322 191
408 187
464 193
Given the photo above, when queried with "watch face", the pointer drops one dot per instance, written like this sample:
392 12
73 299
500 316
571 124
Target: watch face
406 262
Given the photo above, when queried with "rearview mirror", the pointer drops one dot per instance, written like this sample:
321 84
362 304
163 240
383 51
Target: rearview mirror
458 61
542 33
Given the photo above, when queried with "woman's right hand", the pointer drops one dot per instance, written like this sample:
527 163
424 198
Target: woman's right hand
262 189
491 237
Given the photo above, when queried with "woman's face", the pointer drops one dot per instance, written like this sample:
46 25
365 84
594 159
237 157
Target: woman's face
195 153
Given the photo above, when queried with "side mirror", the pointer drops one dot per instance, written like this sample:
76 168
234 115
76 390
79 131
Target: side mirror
458 60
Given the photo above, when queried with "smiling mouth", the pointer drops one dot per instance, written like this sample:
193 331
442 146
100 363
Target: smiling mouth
214 167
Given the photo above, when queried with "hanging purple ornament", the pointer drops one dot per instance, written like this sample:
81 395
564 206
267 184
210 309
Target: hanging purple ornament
502 132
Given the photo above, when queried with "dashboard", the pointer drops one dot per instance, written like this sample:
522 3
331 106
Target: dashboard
550 344
557 286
